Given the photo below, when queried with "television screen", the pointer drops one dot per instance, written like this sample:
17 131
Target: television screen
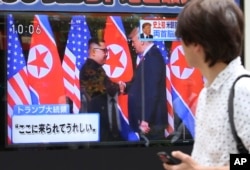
56 94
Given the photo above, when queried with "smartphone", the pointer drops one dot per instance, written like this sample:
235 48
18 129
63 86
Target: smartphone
167 158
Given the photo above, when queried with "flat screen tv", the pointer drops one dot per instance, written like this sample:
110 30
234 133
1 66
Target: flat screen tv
43 52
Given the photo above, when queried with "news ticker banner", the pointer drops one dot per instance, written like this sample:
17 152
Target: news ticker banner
53 124
239 161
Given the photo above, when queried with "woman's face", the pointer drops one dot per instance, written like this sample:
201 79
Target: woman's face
189 54
194 54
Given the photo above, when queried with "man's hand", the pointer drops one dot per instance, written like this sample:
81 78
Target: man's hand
122 86
144 127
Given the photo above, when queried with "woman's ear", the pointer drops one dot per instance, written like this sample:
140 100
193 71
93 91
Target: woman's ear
199 51
198 48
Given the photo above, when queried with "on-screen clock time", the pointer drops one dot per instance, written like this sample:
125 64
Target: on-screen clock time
26 29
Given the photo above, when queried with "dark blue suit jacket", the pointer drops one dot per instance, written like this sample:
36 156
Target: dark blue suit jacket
147 94
142 36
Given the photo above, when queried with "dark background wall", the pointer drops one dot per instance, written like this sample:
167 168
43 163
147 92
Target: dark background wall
127 158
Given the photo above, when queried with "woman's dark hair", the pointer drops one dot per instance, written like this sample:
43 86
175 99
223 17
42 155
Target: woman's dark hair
217 25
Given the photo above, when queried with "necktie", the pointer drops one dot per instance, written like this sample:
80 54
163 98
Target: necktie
141 58
115 129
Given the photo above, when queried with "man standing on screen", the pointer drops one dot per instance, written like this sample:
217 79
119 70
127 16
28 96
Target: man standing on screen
106 105
146 31
92 74
147 91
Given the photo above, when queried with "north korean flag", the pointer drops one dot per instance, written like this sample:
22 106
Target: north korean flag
44 65
187 83
119 64
119 68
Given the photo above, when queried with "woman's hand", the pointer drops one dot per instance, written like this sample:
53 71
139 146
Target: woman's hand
187 163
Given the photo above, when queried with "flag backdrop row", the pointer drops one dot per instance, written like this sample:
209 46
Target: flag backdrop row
26 80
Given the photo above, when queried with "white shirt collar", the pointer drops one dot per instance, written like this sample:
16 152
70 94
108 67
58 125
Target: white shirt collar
147 49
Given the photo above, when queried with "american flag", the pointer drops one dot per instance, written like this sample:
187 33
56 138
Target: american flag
76 53
17 85
164 52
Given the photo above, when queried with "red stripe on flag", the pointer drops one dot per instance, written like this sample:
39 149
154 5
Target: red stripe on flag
170 109
71 79
69 63
18 89
11 101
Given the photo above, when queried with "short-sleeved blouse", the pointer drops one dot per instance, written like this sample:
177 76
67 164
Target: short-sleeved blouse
213 137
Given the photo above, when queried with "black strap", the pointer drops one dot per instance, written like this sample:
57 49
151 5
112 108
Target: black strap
240 146
115 129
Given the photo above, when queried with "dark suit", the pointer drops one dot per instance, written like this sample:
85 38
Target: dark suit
99 105
92 81
92 77
147 94
143 36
